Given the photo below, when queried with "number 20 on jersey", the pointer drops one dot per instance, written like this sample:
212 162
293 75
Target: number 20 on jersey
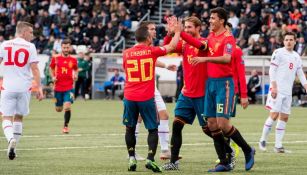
136 67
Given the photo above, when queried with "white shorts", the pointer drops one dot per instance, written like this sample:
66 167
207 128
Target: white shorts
281 104
13 103
159 101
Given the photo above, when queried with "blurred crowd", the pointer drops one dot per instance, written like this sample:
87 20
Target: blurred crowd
257 25
94 23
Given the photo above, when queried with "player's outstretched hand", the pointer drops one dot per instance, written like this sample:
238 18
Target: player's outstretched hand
54 79
172 67
274 92
196 60
171 21
244 103
39 94
178 25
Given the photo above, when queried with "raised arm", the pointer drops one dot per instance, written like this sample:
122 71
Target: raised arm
173 44
201 45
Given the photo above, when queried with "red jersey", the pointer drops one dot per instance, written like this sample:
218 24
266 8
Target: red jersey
220 45
238 68
63 69
139 64
194 77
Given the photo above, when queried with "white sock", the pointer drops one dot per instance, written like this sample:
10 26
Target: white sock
266 129
17 128
137 129
279 133
7 126
163 131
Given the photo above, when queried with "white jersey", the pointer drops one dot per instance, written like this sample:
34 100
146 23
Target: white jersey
287 66
17 55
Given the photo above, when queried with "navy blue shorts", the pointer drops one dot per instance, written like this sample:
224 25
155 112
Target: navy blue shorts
220 97
147 109
63 97
187 108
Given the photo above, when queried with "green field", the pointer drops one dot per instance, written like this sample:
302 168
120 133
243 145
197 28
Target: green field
96 143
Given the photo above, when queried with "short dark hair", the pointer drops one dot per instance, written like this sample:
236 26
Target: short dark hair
229 25
146 23
141 34
291 34
66 41
221 13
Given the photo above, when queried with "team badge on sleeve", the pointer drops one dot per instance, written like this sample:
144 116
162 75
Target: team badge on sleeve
228 48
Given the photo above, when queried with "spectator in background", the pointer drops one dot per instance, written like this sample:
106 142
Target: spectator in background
273 45
152 4
134 9
198 8
300 46
253 86
107 46
57 44
76 36
127 23
204 30
121 32
111 31
234 20
104 18
83 67
53 7
95 45
242 35
295 16
253 22
88 84
297 92
97 7
116 83
178 9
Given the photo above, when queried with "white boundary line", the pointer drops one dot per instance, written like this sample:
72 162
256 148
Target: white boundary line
124 146
140 134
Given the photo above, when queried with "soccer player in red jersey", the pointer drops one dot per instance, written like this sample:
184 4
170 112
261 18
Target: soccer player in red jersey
64 71
139 64
238 68
220 91
191 100
163 129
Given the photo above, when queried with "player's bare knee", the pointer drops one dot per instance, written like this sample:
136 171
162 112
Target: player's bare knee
10 118
139 119
274 115
18 118
67 109
59 109
212 124
163 115
284 117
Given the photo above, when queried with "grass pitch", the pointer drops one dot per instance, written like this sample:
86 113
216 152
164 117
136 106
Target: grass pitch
96 144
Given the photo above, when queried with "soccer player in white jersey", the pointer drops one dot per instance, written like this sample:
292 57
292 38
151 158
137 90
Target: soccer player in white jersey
285 65
19 58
